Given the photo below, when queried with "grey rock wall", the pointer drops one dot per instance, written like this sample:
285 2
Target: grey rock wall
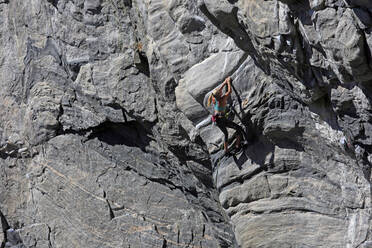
104 135
92 152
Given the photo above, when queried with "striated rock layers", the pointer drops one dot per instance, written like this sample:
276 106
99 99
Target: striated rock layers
104 135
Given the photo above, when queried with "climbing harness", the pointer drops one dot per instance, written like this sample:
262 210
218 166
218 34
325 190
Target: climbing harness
226 115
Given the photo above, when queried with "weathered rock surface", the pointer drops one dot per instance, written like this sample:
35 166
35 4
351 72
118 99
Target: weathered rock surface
104 135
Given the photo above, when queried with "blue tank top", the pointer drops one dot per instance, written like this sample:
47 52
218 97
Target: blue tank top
218 108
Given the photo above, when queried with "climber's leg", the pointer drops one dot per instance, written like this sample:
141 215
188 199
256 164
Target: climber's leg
221 124
238 128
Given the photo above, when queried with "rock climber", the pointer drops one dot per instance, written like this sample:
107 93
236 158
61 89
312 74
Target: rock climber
219 101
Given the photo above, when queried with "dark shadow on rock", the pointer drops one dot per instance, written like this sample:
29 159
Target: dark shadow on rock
95 11
245 120
191 25
287 143
367 50
250 131
54 2
5 226
363 15
130 134
9 150
143 63
366 87
362 3
238 98
257 152
3 155
74 70
361 71
128 3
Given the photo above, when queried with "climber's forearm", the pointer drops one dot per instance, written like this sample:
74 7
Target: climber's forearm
228 86
222 85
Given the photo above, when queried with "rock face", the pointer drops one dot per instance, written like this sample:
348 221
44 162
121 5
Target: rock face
104 139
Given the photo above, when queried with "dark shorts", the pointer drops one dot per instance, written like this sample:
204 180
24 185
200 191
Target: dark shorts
223 123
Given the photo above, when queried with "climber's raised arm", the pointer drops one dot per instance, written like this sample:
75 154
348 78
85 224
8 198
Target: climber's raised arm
222 85
228 82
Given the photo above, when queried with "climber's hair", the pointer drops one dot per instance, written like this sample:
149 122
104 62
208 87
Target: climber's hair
210 99
213 94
